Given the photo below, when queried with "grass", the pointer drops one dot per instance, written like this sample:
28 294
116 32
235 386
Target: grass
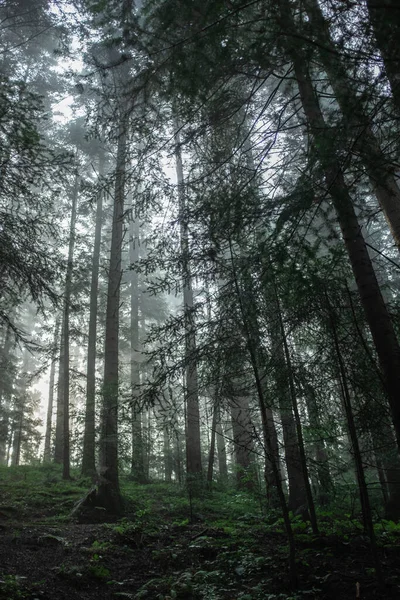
35 493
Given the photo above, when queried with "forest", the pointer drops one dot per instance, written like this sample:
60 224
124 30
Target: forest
200 299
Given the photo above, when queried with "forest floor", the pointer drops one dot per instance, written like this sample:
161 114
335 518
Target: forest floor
224 547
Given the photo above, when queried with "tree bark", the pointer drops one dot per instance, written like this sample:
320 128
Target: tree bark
17 436
177 453
47 438
385 20
243 441
67 306
296 486
377 316
297 421
89 448
362 486
193 444
377 166
221 447
382 480
272 495
20 408
167 455
58 443
211 454
109 495
62 422
249 335
4 413
137 469
325 483
387 461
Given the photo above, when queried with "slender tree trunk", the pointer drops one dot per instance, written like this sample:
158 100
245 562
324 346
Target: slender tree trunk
272 495
167 455
325 483
9 445
269 453
20 408
221 447
296 485
211 455
109 495
382 480
299 430
61 453
67 306
193 445
4 404
47 437
387 460
379 466
58 444
177 453
146 433
137 470
89 441
377 166
362 486
17 437
377 316
297 497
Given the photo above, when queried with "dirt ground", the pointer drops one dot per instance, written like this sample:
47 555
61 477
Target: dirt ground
95 561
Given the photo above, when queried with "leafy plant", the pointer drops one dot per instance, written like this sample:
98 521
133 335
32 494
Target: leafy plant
10 587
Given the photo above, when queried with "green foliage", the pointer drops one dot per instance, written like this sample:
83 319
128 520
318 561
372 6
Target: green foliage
232 551
30 169
100 546
99 571
39 491
11 587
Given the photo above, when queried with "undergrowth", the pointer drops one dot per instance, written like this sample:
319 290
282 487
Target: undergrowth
221 545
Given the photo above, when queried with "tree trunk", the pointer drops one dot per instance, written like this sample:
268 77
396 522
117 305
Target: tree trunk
362 486
272 495
146 438
387 460
5 406
385 20
325 483
47 437
299 431
382 480
137 470
58 443
296 485
89 447
177 453
17 437
62 422
211 455
167 455
221 447
243 441
67 306
20 410
377 316
297 497
109 495
268 450
193 445
377 165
